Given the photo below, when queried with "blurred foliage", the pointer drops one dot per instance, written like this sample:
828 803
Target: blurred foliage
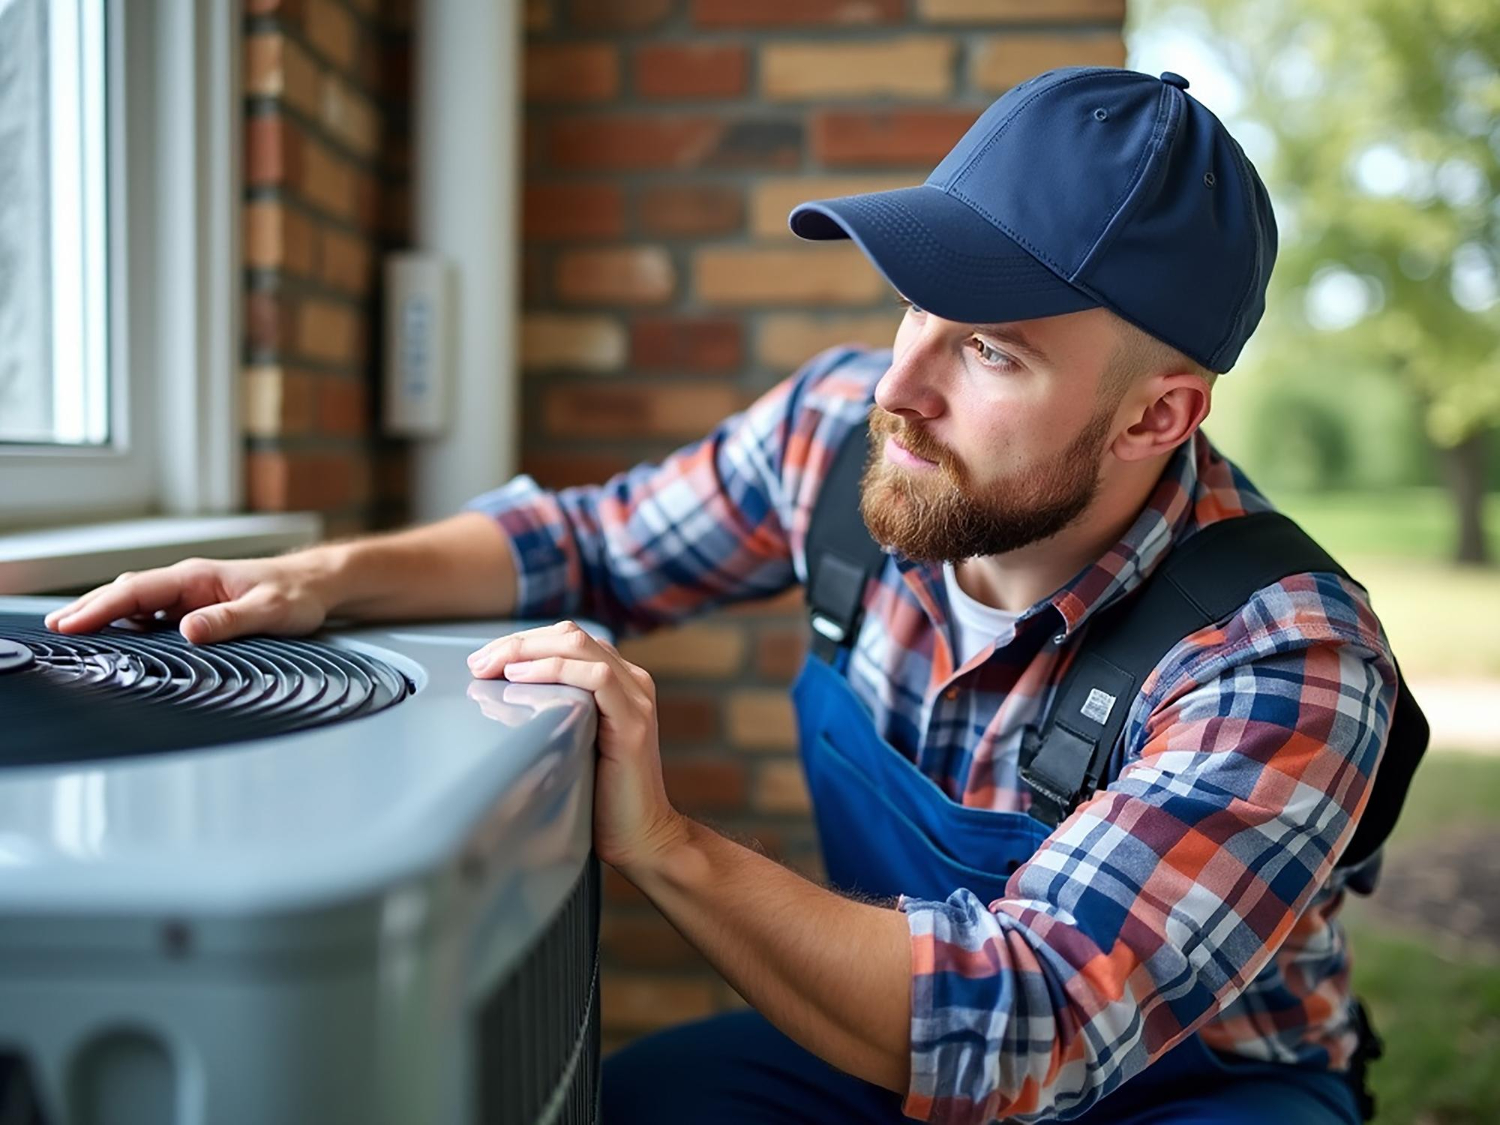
1376 125
1438 1011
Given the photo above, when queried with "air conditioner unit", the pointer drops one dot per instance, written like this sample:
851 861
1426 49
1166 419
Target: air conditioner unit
280 881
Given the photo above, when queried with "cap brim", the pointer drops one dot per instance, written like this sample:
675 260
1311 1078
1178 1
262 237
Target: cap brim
942 255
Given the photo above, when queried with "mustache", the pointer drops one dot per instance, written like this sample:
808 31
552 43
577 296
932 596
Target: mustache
913 438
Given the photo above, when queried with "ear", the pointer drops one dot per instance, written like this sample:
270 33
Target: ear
1167 410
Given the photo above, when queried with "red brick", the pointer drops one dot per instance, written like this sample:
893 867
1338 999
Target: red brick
641 1002
328 181
698 651
538 15
705 785
266 317
277 481
888 138
534 270
645 941
286 9
567 470
617 15
1004 60
346 263
393 473
913 66
761 719
697 344
343 406
686 718
788 603
571 341
634 275
779 653
621 142
788 340
618 889
693 71
567 210
691 209
790 13
1016 11
277 237
637 412
569 72
277 402
332 31
781 787
272 151
818 274
331 332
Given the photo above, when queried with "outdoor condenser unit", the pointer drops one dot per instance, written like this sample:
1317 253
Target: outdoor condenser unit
282 881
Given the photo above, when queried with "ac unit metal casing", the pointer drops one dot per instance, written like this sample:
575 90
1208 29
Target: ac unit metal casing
326 926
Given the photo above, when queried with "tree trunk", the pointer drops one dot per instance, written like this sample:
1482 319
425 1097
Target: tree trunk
1463 465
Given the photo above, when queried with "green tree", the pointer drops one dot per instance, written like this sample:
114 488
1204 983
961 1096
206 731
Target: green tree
1376 124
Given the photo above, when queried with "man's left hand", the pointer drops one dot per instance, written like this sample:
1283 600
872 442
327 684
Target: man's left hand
634 823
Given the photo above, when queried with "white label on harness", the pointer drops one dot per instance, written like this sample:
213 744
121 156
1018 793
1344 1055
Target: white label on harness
1098 706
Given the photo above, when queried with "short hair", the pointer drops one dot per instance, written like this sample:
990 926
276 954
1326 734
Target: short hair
1139 354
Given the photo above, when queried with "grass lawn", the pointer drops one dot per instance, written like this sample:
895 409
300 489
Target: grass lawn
1442 620
1438 1013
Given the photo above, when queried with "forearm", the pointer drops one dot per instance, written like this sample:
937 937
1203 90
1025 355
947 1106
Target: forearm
458 567
831 973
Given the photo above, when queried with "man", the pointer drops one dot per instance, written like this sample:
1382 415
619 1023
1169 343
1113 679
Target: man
1077 272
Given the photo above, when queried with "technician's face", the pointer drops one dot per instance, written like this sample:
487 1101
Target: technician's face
984 439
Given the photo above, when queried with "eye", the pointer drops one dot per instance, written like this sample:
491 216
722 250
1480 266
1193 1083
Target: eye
991 356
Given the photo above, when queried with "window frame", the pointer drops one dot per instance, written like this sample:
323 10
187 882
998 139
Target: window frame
173 157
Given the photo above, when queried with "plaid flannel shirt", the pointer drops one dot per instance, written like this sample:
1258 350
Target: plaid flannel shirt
1196 892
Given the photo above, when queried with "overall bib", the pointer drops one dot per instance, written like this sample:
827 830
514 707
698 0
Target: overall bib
888 829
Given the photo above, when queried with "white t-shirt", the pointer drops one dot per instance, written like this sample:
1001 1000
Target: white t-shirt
976 625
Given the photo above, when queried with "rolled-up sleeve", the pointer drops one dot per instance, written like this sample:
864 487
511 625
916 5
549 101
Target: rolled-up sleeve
710 524
1162 896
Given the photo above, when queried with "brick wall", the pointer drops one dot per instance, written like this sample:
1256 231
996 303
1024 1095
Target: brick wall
666 141
327 93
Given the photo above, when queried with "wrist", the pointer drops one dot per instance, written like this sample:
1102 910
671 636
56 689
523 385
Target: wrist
665 855
329 570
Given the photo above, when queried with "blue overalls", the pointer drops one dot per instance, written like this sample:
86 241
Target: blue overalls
887 829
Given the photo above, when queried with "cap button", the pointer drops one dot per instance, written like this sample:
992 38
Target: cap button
1173 79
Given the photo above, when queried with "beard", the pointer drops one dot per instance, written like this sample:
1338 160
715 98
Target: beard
938 515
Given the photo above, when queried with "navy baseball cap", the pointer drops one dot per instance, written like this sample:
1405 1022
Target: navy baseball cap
1079 188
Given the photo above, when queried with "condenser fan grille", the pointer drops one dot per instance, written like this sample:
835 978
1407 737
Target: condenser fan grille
122 692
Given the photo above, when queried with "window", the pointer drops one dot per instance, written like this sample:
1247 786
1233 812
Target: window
119 264
53 312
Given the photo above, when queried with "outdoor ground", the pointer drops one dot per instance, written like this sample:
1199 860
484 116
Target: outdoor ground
1427 944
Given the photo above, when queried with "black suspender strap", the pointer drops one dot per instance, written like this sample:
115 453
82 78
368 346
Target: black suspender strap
841 556
1203 581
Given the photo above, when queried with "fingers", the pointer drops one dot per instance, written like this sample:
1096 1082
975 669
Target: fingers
251 613
565 654
564 638
129 595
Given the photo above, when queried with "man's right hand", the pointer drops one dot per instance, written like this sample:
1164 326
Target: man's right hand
211 599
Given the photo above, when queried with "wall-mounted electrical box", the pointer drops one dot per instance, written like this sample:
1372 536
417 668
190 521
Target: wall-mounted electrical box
419 298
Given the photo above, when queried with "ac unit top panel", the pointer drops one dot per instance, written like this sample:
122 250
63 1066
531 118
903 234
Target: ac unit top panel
333 812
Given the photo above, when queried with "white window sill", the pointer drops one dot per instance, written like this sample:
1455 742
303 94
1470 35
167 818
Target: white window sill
63 558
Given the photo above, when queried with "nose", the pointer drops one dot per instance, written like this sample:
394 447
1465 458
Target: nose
909 387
